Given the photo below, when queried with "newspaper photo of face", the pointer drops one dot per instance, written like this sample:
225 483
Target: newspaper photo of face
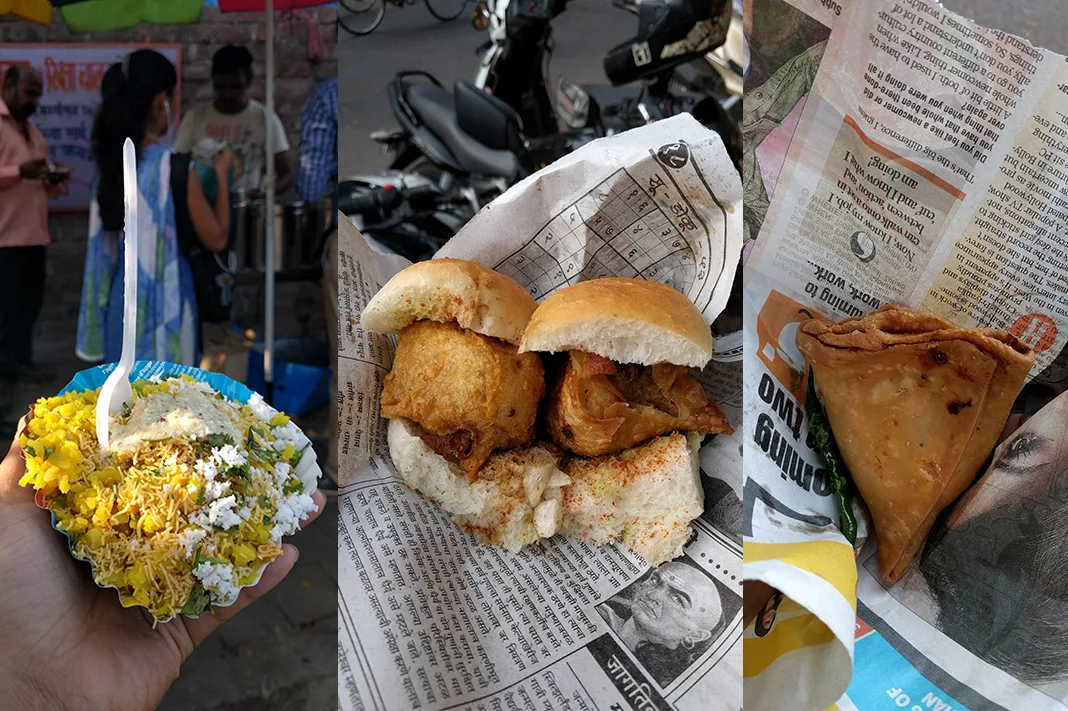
992 576
669 617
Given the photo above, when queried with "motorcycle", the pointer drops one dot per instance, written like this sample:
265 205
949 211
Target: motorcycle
399 213
484 135
700 74
474 142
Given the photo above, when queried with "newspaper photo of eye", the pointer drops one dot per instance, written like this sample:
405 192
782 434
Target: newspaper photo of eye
1002 548
863 246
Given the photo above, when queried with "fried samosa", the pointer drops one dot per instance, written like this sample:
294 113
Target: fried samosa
916 406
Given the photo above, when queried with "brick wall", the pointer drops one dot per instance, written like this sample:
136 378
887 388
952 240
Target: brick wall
295 77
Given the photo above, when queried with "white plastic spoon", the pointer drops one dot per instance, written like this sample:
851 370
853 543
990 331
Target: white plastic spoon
116 389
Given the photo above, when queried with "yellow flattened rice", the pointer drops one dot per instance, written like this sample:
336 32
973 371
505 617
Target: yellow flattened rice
188 505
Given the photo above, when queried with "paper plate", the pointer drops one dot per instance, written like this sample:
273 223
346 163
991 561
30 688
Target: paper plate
307 468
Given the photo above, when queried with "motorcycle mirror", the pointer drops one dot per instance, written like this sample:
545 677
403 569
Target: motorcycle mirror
572 103
480 17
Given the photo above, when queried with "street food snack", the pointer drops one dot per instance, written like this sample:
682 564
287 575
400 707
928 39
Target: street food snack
624 417
916 406
456 373
625 405
630 344
463 402
189 503
644 497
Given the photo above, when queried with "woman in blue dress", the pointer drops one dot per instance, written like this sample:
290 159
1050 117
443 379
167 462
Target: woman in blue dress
136 96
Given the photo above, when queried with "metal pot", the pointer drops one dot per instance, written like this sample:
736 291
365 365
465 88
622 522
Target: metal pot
258 236
294 234
241 229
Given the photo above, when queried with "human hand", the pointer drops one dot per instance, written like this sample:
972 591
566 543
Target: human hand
71 645
223 162
34 169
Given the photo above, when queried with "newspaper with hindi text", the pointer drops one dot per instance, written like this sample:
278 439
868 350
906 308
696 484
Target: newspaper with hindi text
907 156
429 618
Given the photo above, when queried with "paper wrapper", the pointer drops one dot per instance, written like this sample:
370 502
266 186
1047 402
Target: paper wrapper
921 165
93 379
661 202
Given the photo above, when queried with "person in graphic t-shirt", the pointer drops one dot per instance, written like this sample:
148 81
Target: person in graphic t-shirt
240 122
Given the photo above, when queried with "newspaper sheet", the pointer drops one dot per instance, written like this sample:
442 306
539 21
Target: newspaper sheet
928 167
786 42
432 619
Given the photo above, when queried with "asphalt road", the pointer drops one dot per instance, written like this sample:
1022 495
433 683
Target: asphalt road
411 38
1043 22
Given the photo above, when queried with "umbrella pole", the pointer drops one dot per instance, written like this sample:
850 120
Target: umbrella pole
269 237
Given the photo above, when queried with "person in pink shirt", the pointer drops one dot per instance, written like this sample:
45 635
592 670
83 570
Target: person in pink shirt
27 179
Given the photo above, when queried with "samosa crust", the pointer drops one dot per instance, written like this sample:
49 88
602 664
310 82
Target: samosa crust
916 406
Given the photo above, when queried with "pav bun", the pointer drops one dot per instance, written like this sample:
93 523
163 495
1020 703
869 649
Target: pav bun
624 320
443 290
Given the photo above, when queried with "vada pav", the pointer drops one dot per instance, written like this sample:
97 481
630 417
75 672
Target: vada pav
462 402
625 403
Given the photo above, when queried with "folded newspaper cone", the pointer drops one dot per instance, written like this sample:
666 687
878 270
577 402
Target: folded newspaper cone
433 619
924 167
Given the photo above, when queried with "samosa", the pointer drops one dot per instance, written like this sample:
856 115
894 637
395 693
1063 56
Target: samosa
916 405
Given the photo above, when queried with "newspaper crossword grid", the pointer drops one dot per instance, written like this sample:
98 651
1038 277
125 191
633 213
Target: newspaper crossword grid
616 229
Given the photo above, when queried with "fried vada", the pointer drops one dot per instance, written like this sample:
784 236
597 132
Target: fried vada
463 402
469 394
630 344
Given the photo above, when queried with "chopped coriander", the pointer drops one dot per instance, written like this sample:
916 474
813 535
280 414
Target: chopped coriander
297 457
219 440
198 601
294 487
200 558
266 518
219 561
49 451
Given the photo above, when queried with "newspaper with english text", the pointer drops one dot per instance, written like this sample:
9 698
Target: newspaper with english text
429 618
909 157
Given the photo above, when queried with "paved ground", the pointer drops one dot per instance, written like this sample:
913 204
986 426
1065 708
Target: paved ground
410 38
1043 22
279 654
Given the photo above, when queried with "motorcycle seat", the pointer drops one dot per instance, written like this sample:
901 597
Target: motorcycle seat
436 109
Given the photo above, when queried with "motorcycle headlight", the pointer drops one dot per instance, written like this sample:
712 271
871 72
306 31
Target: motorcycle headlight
572 103
480 18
